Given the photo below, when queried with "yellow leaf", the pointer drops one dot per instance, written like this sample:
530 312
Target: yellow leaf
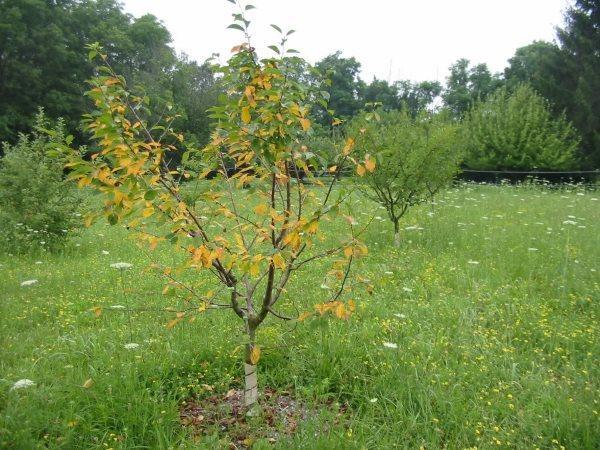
172 323
312 227
349 146
340 311
360 170
348 252
304 316
97 311
148 212
246 114
332 169
305 123
370 165
254 354
88 383
261 209
278 261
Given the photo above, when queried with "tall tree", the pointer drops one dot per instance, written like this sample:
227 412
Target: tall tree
344 88
580 43
416 97
466 85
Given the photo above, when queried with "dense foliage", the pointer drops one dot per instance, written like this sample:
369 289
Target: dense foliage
43 63
517 131
38 208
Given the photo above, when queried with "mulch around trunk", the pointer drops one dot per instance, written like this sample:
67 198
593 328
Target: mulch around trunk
280 415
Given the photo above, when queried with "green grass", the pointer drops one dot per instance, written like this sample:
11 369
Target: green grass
492 301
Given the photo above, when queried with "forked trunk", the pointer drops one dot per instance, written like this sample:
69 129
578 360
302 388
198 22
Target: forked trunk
250 379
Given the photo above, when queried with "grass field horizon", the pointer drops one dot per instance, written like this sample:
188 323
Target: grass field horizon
481 332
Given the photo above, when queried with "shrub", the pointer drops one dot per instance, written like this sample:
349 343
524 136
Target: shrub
517 131
416 157
37 206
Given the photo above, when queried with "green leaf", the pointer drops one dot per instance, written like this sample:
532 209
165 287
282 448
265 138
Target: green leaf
150 195
113 219
290 32
275 49
292 50
235 26
276 28
249 7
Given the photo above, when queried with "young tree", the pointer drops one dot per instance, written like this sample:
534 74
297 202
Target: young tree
416 158
250 241
517 131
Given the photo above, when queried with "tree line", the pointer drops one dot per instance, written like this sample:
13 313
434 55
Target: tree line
43 62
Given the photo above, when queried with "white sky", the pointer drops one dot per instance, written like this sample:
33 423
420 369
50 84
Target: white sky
392 39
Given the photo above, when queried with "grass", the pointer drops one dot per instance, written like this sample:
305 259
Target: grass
492 301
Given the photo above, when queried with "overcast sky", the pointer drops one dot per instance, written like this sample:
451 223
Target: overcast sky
392 39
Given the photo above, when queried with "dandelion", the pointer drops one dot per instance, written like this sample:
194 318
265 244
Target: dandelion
121 265
24 383
390 345
131 346
28 283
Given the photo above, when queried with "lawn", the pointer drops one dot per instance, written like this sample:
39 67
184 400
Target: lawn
481 331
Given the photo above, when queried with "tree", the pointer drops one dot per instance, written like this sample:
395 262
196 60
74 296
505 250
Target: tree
416 158
580 43
466 85
344 87
417 97
37 206
380 91
42 59
517 131
251 230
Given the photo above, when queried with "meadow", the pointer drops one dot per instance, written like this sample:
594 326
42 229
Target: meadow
481 332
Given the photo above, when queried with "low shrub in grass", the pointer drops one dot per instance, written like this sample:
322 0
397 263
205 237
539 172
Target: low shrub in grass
38 208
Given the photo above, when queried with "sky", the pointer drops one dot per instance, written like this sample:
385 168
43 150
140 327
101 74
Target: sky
392 39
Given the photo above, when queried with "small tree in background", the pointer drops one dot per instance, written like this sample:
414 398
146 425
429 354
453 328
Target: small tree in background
251 241
417 157
517 131
37 206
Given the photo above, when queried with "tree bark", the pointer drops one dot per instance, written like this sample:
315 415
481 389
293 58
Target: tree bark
397 233
250 377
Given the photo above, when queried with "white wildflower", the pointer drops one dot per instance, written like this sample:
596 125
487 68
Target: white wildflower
131 346
390 345
28 283
24 383
117 307
569 222
532 249
388 272
121 265
373 400
38 262
406 289
400 316
104 252
472 262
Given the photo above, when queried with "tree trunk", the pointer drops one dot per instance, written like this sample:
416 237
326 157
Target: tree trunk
397 233
250 378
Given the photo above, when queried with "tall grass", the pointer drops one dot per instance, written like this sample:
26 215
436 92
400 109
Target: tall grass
492 302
